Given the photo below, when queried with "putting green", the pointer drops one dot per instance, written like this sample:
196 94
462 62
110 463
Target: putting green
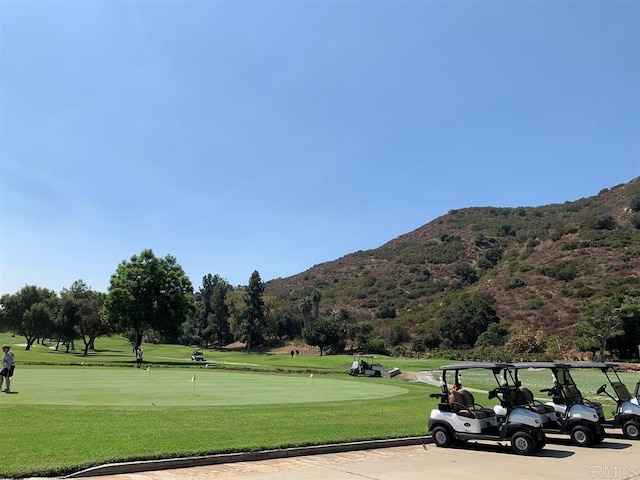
160 387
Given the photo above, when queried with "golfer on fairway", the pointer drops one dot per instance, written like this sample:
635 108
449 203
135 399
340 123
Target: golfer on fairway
8 366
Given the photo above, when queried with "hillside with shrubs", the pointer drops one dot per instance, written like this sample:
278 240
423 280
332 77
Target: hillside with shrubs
524 274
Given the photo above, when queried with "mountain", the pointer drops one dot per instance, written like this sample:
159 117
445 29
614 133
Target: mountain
538 263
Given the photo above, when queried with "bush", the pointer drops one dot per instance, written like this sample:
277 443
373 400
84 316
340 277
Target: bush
532 303
399 351
375 346
514 283
565 270
386 311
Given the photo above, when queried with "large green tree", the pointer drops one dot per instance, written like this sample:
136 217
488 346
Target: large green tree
254 314
66 320
29 312
322 333
628 345
149 293
216 311
465 316
600 321
91 324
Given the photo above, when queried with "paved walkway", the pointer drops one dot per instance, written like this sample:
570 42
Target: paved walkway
616 458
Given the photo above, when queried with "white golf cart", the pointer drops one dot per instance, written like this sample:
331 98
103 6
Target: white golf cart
197 356
364 365
458 418
565 415
627 413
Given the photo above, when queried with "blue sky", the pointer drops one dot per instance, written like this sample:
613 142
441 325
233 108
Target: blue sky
276 135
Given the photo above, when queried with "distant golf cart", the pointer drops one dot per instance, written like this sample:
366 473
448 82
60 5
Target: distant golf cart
197 356
565 415
627 413
458 418
363 365
636 394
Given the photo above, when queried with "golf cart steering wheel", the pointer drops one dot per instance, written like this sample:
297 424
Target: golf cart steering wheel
602 389
494 393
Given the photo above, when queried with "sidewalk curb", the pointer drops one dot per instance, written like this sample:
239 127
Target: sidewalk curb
186 462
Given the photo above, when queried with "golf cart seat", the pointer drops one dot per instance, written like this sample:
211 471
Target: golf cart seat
530 403
463 403
622 391
572 394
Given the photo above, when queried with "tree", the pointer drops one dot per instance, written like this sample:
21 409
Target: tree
494 336
91 324
212 320
316 296
306 306
149 293
322 333
66 320
29 312
464 316
253 323
629 343
600 321
271 319
466 273
523 339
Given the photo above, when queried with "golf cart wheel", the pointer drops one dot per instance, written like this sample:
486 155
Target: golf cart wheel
441 437
377 374
523 443
631 429
582 436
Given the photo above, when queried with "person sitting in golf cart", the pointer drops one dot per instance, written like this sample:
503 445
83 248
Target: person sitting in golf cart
363 366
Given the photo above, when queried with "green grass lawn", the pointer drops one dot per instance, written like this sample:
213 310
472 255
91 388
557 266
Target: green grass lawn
64 418
63 415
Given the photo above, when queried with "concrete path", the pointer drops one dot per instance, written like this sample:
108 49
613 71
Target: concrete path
615 458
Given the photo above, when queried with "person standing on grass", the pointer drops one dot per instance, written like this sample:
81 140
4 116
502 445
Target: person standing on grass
139 356
8 366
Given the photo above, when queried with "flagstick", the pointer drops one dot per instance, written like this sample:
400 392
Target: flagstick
194 384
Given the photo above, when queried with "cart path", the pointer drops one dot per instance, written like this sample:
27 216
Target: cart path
613 459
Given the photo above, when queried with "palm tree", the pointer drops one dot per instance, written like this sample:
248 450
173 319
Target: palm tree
316 296
305 306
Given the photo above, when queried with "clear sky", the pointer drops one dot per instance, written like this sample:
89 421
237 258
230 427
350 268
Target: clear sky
276 135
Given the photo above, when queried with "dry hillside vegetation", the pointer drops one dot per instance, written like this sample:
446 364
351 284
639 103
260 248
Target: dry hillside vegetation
538 263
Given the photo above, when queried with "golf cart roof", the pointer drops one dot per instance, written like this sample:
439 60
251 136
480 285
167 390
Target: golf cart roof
468 366
522 365
600 365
